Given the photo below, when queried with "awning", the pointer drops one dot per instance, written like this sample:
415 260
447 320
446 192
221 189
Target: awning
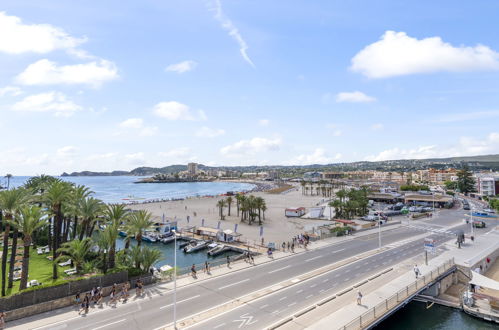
484 281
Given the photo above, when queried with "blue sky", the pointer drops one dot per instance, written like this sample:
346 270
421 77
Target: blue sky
103 85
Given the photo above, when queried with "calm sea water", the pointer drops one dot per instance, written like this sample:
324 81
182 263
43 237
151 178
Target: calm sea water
119 189
415 316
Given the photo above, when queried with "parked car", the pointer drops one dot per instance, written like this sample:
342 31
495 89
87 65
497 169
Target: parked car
489 210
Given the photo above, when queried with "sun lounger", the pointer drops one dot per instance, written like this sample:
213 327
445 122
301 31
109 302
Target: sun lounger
65 263
40 251
71 271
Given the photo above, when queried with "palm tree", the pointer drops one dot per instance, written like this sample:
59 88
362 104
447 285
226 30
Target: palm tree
78 195
259 204
57 194
8 177
88 209
221 204
150 257
229 203
10 202
136 224
115 216
303 184
30 220
104 241
77 250
136 255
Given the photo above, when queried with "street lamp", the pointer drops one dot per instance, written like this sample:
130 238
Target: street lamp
471 217
379 226
174 279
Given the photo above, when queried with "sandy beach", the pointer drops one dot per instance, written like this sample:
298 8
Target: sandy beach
277 227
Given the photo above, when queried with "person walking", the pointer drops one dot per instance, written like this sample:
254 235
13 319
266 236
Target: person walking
228 262
87 302
2 320
252 259
288 246
359 298
416 271
283 246
77 299
293 247
208 268
205 270
193 270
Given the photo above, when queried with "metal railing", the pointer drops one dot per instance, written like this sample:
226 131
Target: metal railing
388 304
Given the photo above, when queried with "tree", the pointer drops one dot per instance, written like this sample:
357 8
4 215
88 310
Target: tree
229 203
77 250
57 194
115 216
88 209
450 185
136 224
149 257
30 220
10 203
221 204
465 180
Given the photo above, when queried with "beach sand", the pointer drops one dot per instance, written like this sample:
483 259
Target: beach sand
277 227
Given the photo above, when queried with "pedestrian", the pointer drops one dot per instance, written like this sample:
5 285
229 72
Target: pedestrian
100 298
359 298
228 262
193 270
2 320
252 259
205 270
263 242
112 296
416 271
87 302
92 294
208 268
77 299
283 246
289 246
293 247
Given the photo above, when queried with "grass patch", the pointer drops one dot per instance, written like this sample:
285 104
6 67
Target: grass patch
40 269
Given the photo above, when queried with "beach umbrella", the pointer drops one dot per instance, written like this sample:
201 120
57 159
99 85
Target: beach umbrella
188 218
235 227
163 219
218 225
202 222
261 231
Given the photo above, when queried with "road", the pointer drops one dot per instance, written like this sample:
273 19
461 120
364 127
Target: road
155 310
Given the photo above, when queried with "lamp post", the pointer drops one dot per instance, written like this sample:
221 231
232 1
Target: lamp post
471 217
379 226
174 279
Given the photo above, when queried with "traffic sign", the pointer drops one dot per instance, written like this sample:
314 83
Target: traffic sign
429 245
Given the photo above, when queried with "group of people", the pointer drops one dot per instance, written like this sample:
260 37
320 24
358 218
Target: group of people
298 240
96 296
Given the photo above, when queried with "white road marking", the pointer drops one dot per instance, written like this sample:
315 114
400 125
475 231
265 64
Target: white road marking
281 299
292 304
262 307
181 301
337 251
299 291
321 290
327 279
279 269
317 257
245 319
313 285
232 284
105 325
309 296
218 326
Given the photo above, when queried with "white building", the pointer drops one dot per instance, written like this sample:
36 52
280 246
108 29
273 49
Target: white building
487 184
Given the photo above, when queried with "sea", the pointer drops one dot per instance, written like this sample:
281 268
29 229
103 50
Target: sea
122 189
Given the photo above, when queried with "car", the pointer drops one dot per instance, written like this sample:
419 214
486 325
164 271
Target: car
479 224
466 207
489 210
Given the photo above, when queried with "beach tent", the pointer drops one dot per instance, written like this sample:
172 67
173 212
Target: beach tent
484 281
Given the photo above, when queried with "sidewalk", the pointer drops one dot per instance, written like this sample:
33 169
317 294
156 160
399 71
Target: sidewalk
64 314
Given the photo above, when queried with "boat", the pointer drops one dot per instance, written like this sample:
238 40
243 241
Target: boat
219 248
199 245
184 244
168 239
148 237
165 268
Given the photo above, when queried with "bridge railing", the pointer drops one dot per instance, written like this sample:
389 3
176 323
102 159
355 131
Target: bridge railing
388 304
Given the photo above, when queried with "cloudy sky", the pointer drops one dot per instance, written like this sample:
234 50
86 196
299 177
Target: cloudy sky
103 85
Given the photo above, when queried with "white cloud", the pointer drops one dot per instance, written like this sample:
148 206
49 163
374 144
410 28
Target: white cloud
10 91
264 122
175 153
319 156
399 54
227 25
132 123
67 151
184 66
449 118
334 129
45 72
251 147
135 158
173 110
18 38
354 97
138 124
209 132
465 147
377 127
55 102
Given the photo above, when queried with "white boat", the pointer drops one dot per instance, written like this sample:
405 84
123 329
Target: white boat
149 238
168 239
195 247
165 268
216 250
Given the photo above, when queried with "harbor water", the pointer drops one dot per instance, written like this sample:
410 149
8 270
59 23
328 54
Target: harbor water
415 316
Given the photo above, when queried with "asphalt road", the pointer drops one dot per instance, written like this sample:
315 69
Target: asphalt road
155 310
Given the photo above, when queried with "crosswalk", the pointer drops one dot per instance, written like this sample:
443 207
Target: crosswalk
441 231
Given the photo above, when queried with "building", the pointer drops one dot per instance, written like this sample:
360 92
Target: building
192 169
487 184
332 175
294 211
435 176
